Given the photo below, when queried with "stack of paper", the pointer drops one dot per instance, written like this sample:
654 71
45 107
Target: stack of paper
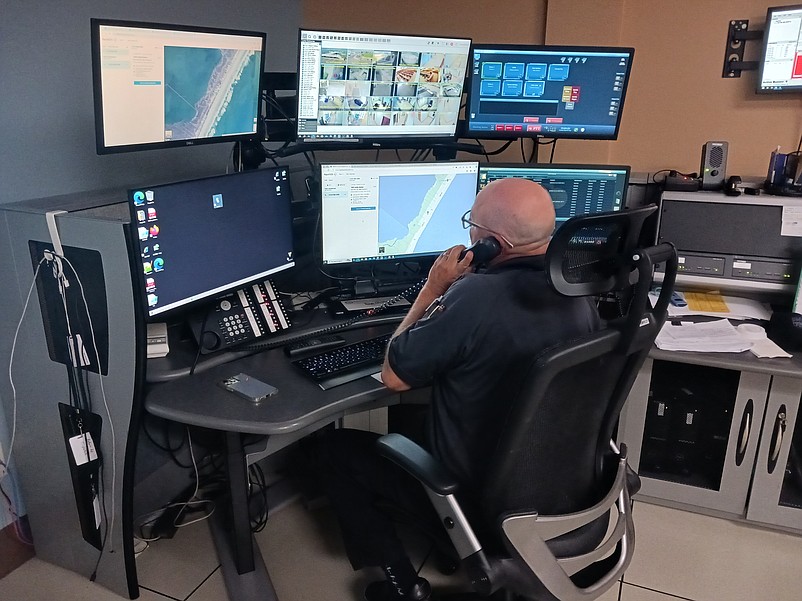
709 337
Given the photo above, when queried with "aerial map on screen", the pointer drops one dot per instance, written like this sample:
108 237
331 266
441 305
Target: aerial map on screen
209 92
421 213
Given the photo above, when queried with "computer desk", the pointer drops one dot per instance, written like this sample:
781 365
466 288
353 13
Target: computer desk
299 408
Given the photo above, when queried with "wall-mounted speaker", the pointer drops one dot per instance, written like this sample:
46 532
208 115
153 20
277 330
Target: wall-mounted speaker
713 171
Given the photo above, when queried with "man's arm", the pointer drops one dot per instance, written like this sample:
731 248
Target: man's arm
445 271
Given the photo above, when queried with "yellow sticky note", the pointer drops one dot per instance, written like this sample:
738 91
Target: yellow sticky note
705 302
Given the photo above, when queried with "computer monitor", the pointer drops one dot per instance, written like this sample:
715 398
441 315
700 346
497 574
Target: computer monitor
361 86
521 91
780 66
394 211
198 239
574 189
158 86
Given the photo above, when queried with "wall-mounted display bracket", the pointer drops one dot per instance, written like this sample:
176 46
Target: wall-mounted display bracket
737 36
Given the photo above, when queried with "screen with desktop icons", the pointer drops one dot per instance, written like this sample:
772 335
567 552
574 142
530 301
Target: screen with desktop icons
375 211
550 91
355 86
574 189
200 238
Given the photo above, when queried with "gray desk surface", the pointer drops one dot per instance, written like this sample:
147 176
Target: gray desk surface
745 361
198 400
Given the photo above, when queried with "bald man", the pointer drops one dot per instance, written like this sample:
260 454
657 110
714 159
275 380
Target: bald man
469 335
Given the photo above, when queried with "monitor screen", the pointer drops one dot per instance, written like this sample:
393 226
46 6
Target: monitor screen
381 211
781 62
549 91
158 86
355 86
198 239
574 189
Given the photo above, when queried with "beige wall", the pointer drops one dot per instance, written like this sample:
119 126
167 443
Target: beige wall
677 98
480 20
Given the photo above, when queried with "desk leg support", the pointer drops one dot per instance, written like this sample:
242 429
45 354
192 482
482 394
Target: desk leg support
243 569
240 515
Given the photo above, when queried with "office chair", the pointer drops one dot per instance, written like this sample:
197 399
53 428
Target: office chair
537 526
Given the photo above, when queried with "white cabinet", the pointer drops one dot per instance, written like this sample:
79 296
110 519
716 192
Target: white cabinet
716 439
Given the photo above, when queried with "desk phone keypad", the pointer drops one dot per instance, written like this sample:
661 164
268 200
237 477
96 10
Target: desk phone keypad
248 313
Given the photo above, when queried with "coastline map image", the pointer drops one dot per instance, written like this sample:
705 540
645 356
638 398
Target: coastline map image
421 213
209 92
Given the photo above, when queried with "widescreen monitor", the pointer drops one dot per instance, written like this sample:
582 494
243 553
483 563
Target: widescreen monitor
158 86
394 211
574 189
198 239
550 91
358 86
781 62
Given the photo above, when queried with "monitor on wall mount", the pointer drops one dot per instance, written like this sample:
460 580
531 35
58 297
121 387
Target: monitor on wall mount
519 91
355 87
780 65
161 86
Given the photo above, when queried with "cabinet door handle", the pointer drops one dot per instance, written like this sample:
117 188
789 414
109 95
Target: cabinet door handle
777 438
744 432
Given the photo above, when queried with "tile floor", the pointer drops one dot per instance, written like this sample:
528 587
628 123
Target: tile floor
679 555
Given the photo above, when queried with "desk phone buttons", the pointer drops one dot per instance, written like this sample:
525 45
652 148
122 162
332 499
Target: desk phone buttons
313 344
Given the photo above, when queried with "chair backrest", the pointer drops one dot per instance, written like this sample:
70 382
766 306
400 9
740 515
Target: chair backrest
554 456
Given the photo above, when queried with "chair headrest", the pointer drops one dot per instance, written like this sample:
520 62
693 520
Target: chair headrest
594 254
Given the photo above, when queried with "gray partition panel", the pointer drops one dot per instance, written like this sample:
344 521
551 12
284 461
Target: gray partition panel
41 384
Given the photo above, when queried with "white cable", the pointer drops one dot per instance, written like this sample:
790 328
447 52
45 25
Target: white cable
192 500
11 363
105 403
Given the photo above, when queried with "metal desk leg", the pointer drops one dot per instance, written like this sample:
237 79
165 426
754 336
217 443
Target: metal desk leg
240 516
244 571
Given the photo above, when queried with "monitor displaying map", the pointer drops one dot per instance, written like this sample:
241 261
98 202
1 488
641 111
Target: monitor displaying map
158 86
392 211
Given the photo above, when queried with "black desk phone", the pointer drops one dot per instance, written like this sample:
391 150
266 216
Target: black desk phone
247 314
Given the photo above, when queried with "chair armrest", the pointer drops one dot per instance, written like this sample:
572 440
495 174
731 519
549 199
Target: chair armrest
418 462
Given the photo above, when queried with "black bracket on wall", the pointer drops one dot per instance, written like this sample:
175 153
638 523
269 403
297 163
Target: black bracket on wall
737 35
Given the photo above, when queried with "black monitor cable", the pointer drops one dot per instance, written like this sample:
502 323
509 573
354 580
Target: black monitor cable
200 340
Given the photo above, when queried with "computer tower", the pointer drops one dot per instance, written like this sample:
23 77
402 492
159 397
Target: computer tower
713 170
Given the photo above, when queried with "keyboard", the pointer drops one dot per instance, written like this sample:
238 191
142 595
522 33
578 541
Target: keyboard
346 363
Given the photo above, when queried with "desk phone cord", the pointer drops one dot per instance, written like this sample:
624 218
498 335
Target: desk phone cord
269 344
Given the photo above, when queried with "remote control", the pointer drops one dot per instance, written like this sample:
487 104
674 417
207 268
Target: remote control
313 344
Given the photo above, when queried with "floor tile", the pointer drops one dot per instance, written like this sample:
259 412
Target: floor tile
706 558
37 580
637 593
177 566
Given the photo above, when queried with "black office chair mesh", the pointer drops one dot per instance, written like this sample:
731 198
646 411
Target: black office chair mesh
539 525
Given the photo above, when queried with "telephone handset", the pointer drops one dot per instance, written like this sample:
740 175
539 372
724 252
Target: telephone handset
247 314
484 251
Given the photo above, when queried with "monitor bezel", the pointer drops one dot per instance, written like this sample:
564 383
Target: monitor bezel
505 135
395 138
759 89
422 258
97 89
188 306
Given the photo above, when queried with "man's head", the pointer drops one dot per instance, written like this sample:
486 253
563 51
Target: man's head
520 210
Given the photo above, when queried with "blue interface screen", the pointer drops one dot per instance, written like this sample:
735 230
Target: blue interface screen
560 92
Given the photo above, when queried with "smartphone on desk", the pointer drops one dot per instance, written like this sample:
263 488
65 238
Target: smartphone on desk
248 387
